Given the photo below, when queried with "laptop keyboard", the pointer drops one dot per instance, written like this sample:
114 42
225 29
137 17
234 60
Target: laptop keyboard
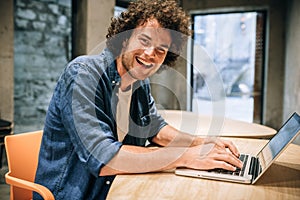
244 159
238 171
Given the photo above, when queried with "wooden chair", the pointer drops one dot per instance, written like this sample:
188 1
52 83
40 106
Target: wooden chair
22 157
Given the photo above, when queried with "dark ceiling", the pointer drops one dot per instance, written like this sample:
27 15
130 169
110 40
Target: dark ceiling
123 3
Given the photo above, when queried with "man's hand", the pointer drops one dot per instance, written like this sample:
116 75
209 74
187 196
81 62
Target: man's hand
223 144
201 153
213 153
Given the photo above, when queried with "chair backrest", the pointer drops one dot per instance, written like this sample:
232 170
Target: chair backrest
22 152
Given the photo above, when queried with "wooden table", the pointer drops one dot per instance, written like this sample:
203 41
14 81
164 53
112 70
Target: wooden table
281 181
213 125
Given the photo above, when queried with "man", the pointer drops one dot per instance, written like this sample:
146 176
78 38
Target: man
102 113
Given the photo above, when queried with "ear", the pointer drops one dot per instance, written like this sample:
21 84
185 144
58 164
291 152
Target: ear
124 44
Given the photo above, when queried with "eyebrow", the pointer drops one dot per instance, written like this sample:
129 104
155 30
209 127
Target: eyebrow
149 38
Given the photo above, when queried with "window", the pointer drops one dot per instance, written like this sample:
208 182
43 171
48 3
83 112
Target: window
227 64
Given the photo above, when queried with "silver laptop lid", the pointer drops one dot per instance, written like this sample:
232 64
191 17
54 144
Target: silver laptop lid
286 134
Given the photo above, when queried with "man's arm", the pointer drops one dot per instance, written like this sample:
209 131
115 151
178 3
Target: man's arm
180 150
169 136
134 159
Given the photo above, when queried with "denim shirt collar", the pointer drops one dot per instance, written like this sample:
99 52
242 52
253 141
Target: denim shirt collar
112 71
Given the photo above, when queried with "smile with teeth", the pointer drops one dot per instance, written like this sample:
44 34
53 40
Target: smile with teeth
144 63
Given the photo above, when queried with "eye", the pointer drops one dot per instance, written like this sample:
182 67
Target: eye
144 41
161 50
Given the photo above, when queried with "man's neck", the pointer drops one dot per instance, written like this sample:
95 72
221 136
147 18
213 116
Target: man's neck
126 78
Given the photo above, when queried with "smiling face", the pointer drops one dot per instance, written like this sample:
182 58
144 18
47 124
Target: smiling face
144 52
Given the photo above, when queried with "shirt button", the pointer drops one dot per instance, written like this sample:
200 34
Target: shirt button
107 182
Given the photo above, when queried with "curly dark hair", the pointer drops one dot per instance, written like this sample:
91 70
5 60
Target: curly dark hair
168 14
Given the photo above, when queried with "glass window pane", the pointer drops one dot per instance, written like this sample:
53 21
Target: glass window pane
229 41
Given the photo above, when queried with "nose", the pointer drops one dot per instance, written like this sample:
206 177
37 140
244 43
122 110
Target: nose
150 51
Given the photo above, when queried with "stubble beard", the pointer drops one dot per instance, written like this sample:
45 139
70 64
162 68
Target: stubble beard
126 65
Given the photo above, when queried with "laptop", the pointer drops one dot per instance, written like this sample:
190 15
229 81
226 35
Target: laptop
254 165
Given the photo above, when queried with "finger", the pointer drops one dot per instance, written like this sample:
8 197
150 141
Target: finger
230 158
231 147
224 165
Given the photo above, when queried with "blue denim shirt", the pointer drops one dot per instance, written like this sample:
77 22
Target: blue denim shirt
80 134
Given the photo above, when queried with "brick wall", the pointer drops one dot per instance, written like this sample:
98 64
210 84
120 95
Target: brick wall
42 47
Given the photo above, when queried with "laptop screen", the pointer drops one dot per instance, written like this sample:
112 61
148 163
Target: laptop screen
285 135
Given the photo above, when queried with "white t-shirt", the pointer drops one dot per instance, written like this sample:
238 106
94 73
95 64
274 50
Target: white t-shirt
123 114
